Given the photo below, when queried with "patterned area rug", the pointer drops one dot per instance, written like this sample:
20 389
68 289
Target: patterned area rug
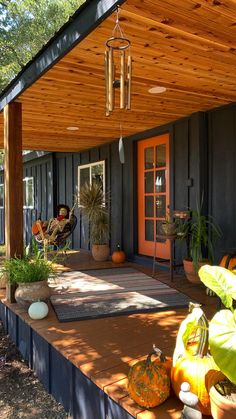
111 292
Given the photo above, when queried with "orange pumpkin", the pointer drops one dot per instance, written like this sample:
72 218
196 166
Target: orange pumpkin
118 256
228 261
193 365
149 382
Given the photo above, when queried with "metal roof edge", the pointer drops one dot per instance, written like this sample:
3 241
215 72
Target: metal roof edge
85 20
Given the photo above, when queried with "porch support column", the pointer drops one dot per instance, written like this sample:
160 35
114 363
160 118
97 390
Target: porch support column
13 174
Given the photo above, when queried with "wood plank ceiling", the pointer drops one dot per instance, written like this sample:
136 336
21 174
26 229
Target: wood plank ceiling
188 46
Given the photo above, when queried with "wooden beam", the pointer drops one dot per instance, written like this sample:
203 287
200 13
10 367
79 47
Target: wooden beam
13 174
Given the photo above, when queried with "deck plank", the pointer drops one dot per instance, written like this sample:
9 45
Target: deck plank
104 349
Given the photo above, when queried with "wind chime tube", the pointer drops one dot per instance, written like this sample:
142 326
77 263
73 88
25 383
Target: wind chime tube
110 80
106 59
129 77
122 79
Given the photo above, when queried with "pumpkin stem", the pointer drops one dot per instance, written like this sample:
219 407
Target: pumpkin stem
203 344
118 247
156 351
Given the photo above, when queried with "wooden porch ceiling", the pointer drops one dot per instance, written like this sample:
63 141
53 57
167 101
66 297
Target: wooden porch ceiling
190 49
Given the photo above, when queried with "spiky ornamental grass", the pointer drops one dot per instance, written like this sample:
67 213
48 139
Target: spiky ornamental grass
92 205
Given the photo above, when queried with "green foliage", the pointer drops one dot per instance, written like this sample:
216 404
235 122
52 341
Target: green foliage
202 232
25 26
222 328
31 267
91 204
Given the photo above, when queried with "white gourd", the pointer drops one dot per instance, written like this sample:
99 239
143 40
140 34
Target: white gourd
38 310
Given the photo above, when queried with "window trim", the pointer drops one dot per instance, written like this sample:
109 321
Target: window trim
25 183
90 165
2 206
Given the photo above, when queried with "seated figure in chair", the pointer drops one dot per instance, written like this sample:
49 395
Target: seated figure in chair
55 231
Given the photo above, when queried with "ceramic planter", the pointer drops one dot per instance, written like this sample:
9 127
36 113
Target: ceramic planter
100 252
221 407
30 292
190 273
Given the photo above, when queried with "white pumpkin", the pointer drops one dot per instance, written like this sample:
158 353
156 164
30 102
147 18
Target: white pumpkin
38 310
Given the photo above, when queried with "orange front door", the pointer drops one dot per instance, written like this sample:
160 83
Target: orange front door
153 194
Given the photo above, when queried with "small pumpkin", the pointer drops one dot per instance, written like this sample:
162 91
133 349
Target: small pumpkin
38 310
118 256
149 382
193 366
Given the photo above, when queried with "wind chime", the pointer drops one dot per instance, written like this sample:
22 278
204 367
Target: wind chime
118 74
118 68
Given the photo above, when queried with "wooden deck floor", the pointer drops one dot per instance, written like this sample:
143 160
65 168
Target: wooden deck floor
104 349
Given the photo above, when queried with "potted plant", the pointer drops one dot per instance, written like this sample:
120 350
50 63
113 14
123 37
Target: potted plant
200 233
92 205
30 273
168 225
222 340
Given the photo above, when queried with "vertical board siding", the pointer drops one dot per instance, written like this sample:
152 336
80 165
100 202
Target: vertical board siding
222 175
2 223
41 170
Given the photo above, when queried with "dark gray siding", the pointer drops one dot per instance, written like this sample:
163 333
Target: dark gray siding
42 171
222 175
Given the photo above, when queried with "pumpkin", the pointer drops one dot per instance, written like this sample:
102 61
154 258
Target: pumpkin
228 261
38 310
193 365
118 256
149 382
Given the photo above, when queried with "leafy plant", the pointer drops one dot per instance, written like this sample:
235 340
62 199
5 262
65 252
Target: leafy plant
222 327
202 232
31 267
92 205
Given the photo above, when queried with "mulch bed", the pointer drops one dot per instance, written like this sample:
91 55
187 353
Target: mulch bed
21 393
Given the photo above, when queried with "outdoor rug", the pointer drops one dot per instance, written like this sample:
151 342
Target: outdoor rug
90 294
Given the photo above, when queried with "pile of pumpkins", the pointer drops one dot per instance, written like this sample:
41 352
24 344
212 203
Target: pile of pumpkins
150 381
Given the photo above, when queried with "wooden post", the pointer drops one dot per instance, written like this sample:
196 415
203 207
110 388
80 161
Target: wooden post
13 180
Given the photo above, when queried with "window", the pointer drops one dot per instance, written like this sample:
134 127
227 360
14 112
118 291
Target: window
1 195
94 172
28 184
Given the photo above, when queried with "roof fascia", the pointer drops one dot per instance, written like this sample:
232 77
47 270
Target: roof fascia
84 21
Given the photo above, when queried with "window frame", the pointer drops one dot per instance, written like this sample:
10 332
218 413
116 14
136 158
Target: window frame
26 180
90 165
3 197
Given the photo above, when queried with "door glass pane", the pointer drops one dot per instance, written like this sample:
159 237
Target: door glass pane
160 182
84 176
97 174
160 206
149 206
161 155
149 158
149 226
149 182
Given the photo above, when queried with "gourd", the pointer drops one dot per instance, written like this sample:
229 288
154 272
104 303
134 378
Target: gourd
118 256
149 382
228 261
193 367
38 310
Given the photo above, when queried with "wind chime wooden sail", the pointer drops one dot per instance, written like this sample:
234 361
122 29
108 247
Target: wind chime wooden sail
118 69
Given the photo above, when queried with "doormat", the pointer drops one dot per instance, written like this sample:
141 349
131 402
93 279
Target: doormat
93 294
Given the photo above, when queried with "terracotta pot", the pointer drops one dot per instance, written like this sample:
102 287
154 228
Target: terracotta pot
221 407
190 273
30 292
100 252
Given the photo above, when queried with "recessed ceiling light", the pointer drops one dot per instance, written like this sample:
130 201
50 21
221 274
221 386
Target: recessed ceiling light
72 128
157 89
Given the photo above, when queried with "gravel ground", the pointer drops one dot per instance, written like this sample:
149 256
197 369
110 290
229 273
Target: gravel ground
21 393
